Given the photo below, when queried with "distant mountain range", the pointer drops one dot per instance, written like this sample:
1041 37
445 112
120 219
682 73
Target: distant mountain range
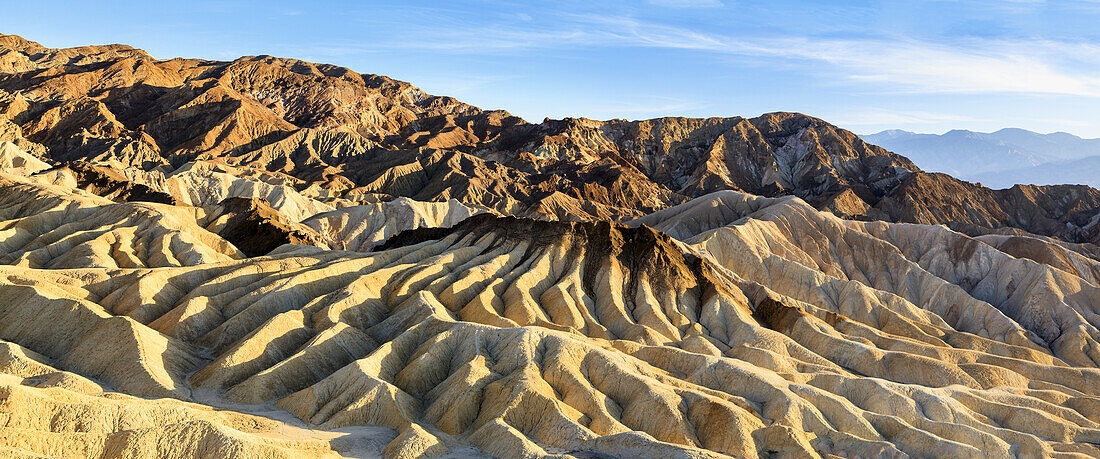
1000 159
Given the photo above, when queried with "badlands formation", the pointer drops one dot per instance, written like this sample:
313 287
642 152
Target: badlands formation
273 258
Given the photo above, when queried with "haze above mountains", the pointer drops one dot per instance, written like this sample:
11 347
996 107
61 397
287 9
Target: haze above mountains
1000 159
268 257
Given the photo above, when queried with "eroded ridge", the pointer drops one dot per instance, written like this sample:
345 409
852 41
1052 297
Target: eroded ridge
526 337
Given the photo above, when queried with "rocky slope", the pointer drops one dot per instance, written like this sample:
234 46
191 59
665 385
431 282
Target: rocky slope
1067 212
328 132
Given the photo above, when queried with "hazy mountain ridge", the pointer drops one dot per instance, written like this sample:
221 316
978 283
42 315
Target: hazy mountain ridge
1085 171
999 159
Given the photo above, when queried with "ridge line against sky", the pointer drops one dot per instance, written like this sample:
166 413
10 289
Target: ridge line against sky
926 66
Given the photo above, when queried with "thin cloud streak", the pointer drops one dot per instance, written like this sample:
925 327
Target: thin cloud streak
687 3
918 67
883 65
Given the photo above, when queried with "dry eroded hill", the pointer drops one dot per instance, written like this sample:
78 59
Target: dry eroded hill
730 325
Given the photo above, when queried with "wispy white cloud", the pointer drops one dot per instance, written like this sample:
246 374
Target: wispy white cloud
974 66
881 65
687 3
563 31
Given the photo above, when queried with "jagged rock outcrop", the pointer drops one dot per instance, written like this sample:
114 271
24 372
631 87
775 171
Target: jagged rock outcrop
16 161
123 103
771 154
1068 212
51 226
361 228
255 228
103 180
48 226
21 55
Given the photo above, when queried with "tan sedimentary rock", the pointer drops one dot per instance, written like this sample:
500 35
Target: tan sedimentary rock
1078 260
46 226
14 160
763 330
56 422
360 228
203 184
19 365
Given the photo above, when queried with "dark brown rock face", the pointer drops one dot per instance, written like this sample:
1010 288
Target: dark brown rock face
110 183
256 229
1063 211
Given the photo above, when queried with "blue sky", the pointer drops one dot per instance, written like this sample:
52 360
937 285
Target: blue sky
925 66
